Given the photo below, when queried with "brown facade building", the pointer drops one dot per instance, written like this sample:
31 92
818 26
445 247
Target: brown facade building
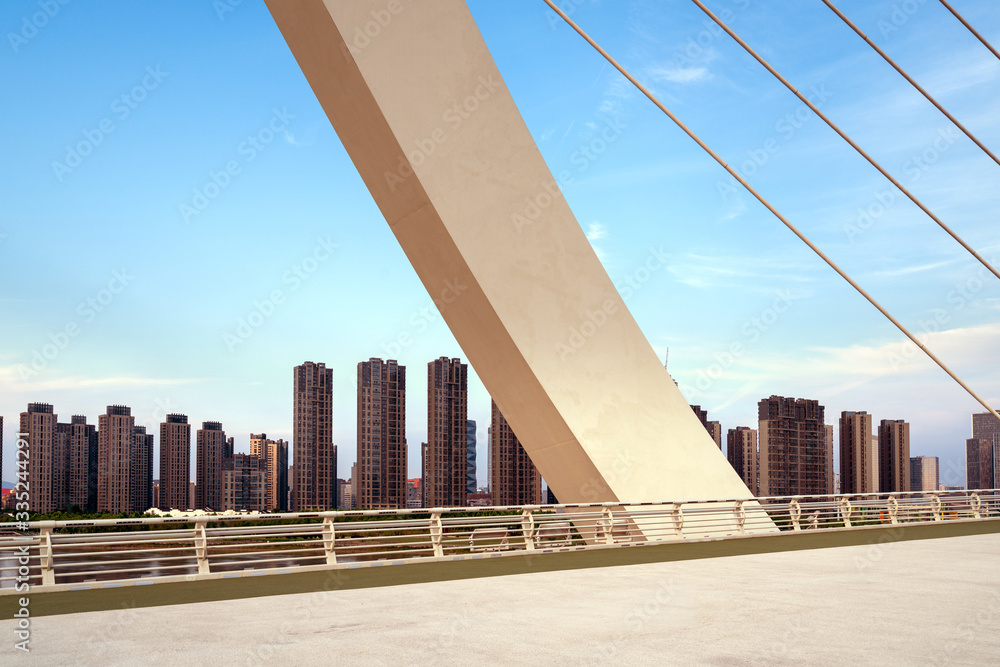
832 481
793 447
211 452
82 473
857 455
979 464
893 456
47 458
924 473
447 413
244 483
141 470
714 428
314 454
987 427
115 443
514 479
381 432
175 463
274 454
741 450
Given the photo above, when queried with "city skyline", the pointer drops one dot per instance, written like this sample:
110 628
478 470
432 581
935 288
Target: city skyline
96 316
73 460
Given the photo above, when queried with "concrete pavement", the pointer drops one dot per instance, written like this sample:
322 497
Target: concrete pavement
915 602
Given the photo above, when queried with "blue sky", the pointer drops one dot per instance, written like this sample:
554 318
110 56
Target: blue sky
167 172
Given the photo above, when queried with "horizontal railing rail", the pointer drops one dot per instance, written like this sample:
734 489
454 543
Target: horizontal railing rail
101 553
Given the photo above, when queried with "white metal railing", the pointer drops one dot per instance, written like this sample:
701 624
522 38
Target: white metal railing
67 555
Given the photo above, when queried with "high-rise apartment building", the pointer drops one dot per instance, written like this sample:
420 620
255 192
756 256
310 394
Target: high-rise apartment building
211 450
47 458
141 472
793 447
714 428
470 456
893 456
701 414
175 463
979 463
313 452
274 453
741 450
381 435
857 455
423 474
514 479
832 480
244 487
924 473
115 443
413 495
82 472
447 413
987 427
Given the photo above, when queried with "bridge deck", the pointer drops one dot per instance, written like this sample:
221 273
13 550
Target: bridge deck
909 602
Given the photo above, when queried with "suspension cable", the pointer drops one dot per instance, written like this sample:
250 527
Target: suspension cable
866 156
732 172
970 28
909 79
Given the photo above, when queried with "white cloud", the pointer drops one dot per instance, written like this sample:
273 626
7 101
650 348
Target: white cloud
595 231
678 74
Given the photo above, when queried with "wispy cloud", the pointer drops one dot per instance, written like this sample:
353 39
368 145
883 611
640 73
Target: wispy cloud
713 271
673 74
595 232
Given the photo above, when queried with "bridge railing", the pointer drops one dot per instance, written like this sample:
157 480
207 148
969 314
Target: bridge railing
99 553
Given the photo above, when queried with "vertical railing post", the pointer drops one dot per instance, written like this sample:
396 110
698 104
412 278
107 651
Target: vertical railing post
678 520
976 503
201 545
845 511
609 524
795 512
329 540
528 529
437 530
741 516
936 506
45 552
893 510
